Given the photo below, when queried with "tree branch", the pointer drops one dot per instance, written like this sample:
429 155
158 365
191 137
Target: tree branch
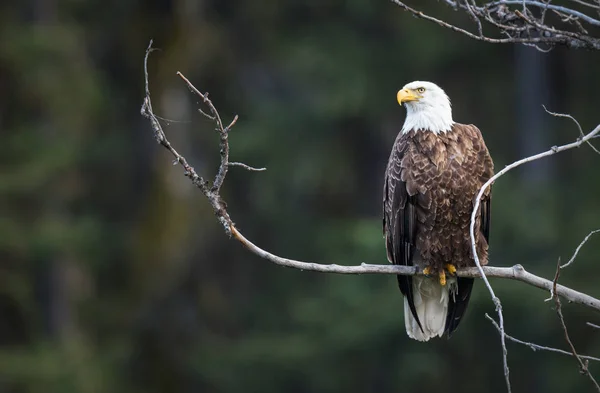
521 26
537 347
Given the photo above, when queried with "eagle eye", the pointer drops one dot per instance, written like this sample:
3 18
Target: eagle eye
421 90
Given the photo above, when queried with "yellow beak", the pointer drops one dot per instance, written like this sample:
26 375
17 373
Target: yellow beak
406 95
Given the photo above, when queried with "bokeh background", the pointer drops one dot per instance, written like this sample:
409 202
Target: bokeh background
115 276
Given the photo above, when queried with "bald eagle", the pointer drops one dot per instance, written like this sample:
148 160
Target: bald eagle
435 170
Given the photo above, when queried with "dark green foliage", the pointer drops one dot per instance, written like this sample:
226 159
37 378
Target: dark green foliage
114 274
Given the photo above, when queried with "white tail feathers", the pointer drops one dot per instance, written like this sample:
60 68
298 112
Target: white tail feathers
431 303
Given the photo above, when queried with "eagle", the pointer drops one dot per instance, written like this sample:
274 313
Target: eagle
434 173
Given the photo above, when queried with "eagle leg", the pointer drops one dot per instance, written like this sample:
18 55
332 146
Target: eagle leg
442 278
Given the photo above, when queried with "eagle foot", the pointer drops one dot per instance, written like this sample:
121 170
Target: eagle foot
428 271
450 268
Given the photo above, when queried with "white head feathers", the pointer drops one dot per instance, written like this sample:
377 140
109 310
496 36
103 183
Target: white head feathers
427 107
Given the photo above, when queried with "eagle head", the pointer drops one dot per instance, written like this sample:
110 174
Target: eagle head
427 107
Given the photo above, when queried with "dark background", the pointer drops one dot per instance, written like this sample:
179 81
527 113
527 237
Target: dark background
115 276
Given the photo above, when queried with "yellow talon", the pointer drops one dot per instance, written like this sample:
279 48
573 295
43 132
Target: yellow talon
442 278
450 268
427 271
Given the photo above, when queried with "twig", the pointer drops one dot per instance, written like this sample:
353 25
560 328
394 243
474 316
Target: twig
579 247
593 325
223 134
586 4
537 347
247 167
583 365
566 115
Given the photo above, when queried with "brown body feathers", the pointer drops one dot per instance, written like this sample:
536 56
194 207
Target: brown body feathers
430 185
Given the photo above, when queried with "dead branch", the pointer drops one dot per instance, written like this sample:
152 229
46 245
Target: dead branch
523 21
537 347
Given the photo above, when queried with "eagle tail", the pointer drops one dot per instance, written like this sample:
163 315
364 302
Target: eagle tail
431 300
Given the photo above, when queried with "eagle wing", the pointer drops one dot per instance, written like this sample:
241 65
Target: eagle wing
400 221
484 166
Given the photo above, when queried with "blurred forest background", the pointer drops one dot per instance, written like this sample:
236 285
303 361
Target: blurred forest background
115 276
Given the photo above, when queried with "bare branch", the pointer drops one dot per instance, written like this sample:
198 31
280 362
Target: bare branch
521 26
212 193
583 365
537 347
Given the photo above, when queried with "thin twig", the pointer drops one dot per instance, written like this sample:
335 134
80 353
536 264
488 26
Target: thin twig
566 115
223 134
579 248
583 365
593 325
586 4
247 167
537 347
